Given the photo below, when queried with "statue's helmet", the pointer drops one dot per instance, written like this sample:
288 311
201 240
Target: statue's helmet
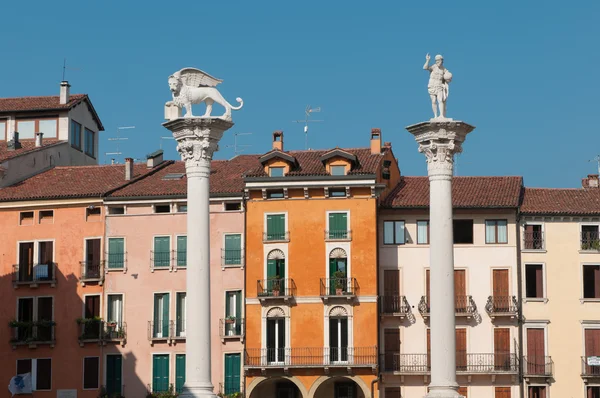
439 57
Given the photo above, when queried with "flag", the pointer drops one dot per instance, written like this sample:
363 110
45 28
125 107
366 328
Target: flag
20 384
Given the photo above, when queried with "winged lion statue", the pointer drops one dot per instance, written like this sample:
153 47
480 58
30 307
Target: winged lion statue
193 86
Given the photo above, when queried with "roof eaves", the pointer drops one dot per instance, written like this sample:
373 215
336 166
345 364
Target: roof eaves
138 178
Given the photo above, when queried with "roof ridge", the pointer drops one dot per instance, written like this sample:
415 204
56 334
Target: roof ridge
40 96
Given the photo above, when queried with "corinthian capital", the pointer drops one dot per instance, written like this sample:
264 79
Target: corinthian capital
194 150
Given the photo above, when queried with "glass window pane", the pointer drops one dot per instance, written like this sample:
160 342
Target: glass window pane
502 231
2 129
422 227
48 127
399 228
338 170
388 232
490 231
276 171
26 129
44 374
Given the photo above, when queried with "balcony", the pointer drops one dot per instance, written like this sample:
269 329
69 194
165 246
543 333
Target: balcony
92 272
273 237
32 333
26 274
466 363
318 357
159 331
231 328
590 371
332 288
275 289
232 258
90 331
114 332
533 240
394 306
464 306
502 306
538 367
160 260
590 240
177 329
338 235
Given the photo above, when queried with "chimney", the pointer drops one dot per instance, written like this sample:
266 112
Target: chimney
154 159
38 139
278 140
64 92
591 181
14 143
375 141
128 168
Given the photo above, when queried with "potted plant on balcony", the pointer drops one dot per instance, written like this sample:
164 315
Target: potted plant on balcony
339 278
230 319
274 281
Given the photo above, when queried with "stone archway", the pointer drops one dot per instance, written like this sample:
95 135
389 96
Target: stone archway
261 384
320 388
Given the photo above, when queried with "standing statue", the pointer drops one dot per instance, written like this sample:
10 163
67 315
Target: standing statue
193 86
438 87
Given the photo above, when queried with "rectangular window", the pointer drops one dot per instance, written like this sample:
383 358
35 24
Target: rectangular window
233 206
91 366
162 252
276 227
423 232
533 237
26 129
591 281
114 309
160 373
113 375
75 134
496 231
502 392
180 308
276 171
536 392
534 281
338 170
233 249
93 213
393 233
44 269
161 315
26 218
338 226
593 392
90 143
114 210
41 372
275 194
463 231
116 253
590 239
46 216
182 251
337 192
182 208
233 366
179 372
3 131
162 208
233 313
91 269
48 127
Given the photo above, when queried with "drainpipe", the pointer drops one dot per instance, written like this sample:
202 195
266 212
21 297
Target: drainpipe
245 210
375 380
377 210
520 301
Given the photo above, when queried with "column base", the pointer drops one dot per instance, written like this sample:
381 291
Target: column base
443 392
198 390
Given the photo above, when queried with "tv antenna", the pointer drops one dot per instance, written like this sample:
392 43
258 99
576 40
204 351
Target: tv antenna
235 145
165 138
456 162
597 160
64 74
307 120
118 139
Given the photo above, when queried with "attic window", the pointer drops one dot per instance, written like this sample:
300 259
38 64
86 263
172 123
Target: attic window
338 170
92 213
337 192
275 194
26 218
46 216
182 208
233 206
114 210
173 176
276 171
162 208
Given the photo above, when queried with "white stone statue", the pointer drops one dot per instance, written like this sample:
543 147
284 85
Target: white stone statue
438 86
193 86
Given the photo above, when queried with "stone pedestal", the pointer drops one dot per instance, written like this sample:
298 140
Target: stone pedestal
197 140
439 140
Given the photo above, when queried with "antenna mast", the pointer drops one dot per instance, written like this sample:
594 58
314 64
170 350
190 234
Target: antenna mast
64 74
235 145
118 138
307 120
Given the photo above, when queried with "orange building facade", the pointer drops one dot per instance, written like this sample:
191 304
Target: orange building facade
311 270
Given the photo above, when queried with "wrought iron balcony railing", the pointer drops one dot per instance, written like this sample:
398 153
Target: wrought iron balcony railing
393 305
159 330
275 288
541 366
347 287
161 259
29 274
533 240
589 371
463 306
177 329
32 332
92 271
502 306
114 331
311 357
231 257
116 261
180 258
231 327
276 236
342 234
590 240
90 330
469 363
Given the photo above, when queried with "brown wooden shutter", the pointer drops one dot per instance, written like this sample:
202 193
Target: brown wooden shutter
90 372
529 237
539 281
502 348
461 349
428 349
502 392
500 282
535 351
460 290
391 290
592 342
25 261
427 287
391 344
92 306
596 282
93 252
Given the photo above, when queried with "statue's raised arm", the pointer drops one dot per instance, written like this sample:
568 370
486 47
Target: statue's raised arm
438 87
427 58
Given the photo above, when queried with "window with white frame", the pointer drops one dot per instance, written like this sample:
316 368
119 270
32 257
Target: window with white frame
393 233
338 335
38 312
496 231
276 336
41 372
591 281
423 232
114 309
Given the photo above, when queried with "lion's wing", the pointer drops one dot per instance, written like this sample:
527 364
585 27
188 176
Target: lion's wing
196 78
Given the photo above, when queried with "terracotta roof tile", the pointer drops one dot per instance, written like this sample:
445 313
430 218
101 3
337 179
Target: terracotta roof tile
467 192
309 163
38 103
575 201
26 147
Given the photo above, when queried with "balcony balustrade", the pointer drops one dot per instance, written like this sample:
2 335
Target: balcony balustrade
177 329
466 363
114 332
32 333
463 306
590 241
270 237
275 288
396 306
90 330
161 260
538 366
116 261
34 275
502 306
311 357
533 240
92 271
338 235
232 258
339 287
590 371
231 327
166 330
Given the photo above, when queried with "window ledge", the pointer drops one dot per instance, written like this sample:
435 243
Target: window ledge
535 300
589 300
123 270
534 251
589 251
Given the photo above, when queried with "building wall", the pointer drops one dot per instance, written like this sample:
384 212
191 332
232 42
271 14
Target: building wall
81 115
68 231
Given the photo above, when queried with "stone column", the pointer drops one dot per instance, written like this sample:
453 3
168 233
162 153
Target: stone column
439 140
197 140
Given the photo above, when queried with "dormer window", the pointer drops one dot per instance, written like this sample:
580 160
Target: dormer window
276 171
338 170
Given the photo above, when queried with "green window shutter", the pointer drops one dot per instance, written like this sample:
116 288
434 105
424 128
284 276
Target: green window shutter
182 251
228 304
113 374
233 249
162 253
271 268
280 266
232 373
116 255
160 373
179 372
165 314
156 327
275 226
269 227
338 225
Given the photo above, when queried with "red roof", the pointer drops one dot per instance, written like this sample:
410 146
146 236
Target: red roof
72 182
575 201
310 164
226 178
26 147
467 192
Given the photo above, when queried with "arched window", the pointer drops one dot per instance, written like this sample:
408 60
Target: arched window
275 271
275 335
338 270
338 334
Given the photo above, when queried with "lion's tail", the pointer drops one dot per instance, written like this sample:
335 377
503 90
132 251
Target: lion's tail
241 102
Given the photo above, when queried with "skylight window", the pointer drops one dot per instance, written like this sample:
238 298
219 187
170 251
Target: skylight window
173 176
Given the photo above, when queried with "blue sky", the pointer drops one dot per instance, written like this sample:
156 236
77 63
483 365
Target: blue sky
521 73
